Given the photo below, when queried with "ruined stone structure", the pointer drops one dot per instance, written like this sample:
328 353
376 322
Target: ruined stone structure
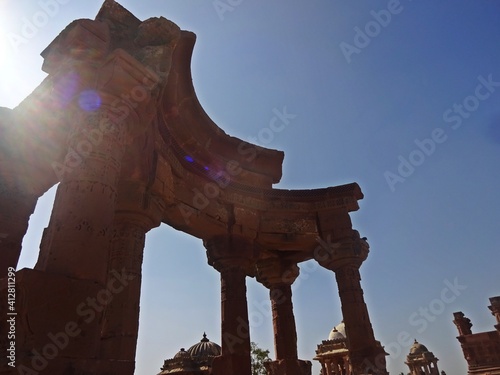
197 360
421 361
481 350
118 126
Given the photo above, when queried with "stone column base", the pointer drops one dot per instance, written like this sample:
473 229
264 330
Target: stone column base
73 366
288 367
55 321
230 365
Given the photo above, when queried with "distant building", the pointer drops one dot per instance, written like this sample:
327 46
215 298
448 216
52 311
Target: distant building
197 360
334 355
481 350
421 361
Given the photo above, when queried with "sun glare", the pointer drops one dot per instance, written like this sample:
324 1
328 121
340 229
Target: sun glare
19 56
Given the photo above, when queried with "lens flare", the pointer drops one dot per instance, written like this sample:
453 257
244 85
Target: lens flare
89 100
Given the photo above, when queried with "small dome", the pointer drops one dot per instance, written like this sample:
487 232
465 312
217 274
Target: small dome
337 329
418 348
205 348
182 354
336 335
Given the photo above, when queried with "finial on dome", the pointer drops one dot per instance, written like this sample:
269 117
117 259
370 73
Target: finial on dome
204 339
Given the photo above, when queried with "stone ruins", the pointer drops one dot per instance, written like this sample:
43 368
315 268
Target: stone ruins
118 126
481 350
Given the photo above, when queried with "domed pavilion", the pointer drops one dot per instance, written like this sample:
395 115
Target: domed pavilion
196 360
333 353
421 361
335 356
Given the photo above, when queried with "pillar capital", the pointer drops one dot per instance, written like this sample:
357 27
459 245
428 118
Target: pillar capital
231 252
275 272
351 252
136 205
495 310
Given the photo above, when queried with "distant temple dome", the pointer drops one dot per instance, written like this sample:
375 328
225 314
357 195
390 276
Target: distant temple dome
336 335
204 349
339 329
421 361
182 354
196 360
418 348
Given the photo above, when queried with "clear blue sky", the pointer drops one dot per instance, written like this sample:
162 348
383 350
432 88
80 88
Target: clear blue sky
363 104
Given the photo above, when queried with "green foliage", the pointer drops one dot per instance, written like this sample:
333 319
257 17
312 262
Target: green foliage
259 356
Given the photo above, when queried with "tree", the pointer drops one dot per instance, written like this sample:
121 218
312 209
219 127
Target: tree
259 356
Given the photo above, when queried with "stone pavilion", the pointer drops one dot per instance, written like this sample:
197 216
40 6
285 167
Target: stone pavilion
421 361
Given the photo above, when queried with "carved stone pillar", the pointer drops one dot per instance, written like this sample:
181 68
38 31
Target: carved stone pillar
77 241
234 259
76 245
121 315
278 276
323 369
345 259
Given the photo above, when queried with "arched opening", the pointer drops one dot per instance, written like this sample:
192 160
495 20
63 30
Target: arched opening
38 221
